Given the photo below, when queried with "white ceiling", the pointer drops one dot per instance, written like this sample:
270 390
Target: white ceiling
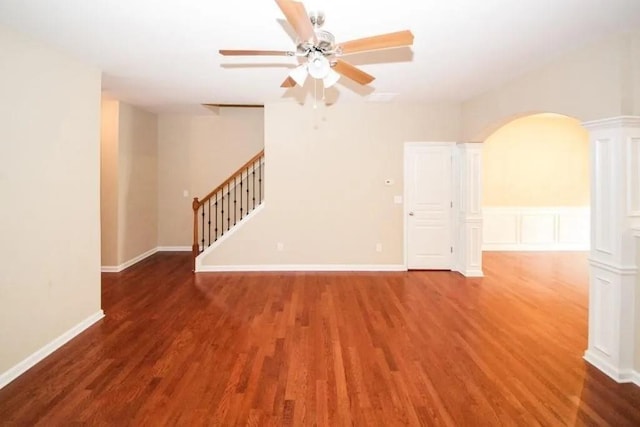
162 54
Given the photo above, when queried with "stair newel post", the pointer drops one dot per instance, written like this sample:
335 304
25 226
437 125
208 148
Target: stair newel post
195 249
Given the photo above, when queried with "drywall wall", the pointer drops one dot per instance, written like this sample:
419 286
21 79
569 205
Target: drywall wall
587 84
634 73
326 200
637 308
137 182
49 182
196 153
109 182
539 160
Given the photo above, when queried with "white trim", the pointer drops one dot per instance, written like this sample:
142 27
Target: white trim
304 267
526 228
620 376
613 122
132 261
26 364
472 273
468 250
614 268
511 247
635 378
173 249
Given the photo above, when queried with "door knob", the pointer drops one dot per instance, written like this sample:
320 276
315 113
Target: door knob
410 213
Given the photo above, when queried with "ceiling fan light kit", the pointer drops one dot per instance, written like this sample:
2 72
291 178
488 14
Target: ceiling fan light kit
331 78
320 50
299 74
318 65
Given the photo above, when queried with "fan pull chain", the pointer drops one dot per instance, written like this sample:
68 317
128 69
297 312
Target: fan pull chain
315 94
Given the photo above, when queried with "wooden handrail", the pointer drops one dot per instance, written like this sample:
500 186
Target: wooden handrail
227 181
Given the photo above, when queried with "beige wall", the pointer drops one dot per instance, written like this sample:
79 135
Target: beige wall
634 73
586 84
137 182
129 182
325 198
539 160
196 153
637 308
109 182
49 187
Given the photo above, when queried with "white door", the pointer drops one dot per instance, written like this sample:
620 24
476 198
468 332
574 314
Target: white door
428 198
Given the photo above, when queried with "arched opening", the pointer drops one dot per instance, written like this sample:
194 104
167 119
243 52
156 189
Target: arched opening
536 185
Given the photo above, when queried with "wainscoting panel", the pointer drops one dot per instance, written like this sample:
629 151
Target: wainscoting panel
536 228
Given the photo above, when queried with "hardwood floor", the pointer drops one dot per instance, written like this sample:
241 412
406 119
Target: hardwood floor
378 349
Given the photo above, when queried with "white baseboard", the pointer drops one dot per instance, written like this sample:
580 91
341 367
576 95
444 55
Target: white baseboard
39 355
302 267
132 261
635 378
471 273
122 267
620 376
515 247
173 248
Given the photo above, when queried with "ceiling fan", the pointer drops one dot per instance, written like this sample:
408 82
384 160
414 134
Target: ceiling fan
320 50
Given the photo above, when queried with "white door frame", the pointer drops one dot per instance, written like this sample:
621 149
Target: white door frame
405 210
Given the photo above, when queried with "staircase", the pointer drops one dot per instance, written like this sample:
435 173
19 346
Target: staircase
227 205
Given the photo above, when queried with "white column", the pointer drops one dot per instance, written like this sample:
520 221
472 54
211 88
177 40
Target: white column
469 248
615 210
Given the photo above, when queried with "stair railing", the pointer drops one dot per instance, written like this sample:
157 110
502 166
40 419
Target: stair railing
225 206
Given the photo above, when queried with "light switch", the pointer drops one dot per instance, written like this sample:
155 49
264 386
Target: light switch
185 193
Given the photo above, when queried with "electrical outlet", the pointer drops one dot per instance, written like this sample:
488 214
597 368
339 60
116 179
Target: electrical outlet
280 246
378 247
185 193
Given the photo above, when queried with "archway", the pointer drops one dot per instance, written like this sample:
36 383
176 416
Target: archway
614 284
536 185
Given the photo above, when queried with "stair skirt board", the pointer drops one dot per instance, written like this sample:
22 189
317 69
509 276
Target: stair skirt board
221 239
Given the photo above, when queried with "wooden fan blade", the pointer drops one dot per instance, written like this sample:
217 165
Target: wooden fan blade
289 82
255 52
298 18
355 74
382 41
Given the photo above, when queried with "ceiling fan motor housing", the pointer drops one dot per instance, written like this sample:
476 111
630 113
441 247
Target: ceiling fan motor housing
325 43
326 40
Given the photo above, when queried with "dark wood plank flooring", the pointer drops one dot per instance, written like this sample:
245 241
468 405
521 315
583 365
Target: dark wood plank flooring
365 349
